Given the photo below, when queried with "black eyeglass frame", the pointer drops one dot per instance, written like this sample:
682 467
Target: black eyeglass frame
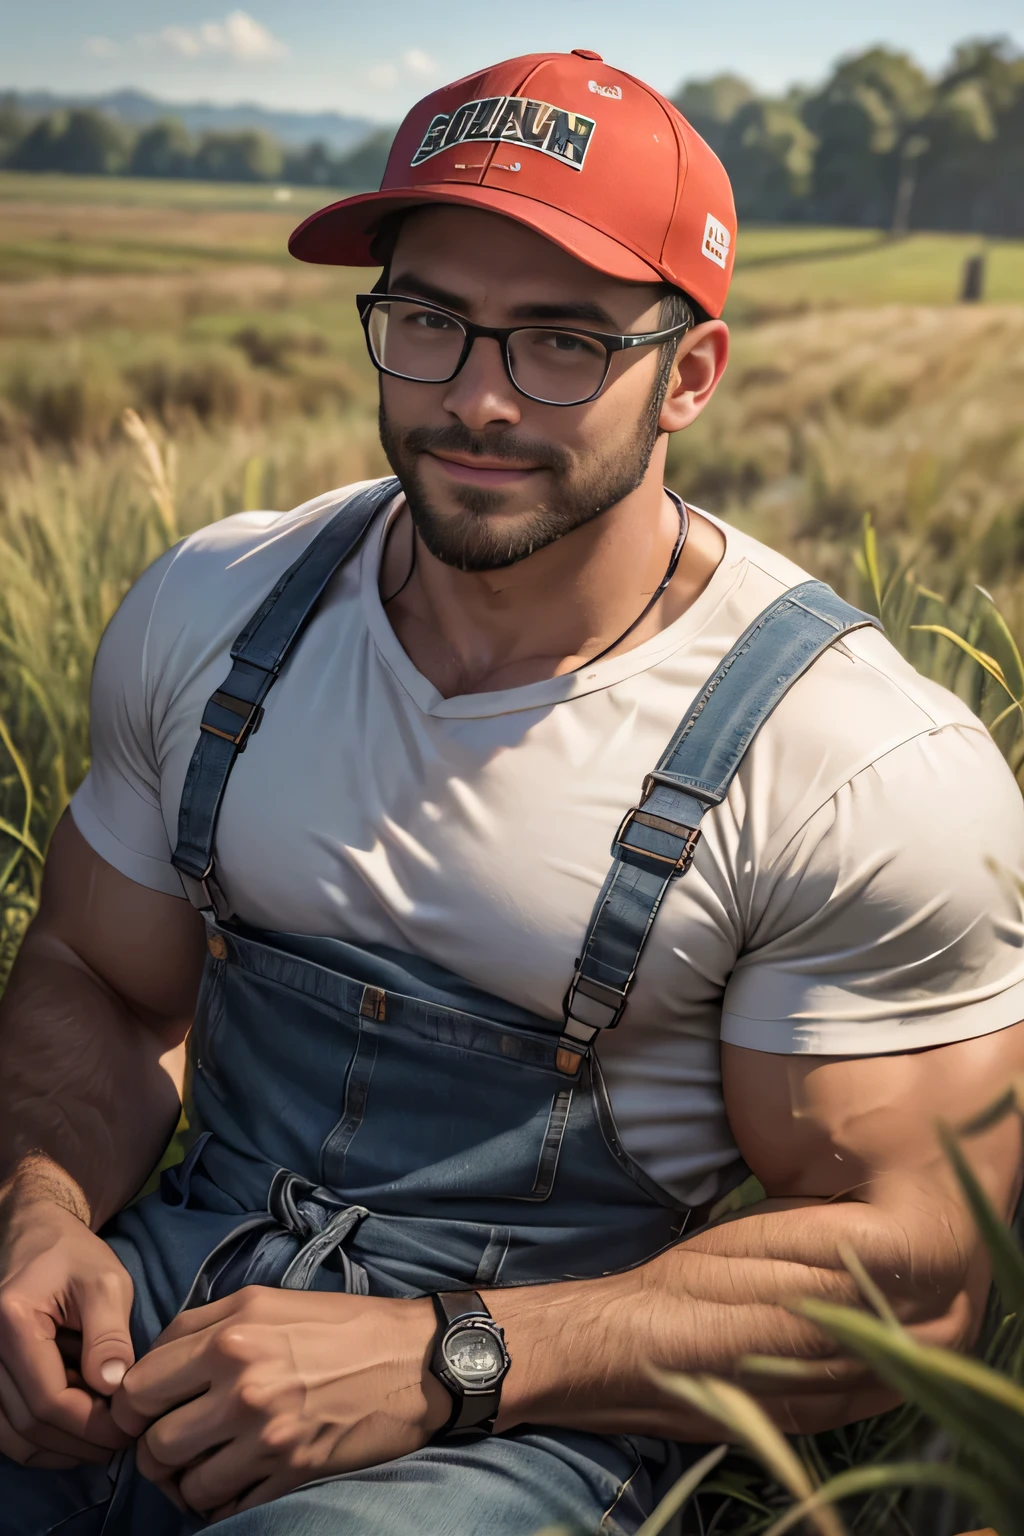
502 334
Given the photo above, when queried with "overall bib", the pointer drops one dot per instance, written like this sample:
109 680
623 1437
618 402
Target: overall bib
363 1120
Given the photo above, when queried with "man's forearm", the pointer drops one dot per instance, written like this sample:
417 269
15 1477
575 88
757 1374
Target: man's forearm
85 1106
582 1351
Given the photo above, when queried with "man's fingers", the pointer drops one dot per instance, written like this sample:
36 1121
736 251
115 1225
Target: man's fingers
41 1436
170 1374
198 1318
26 1454
36 1369
182 1436
228 1475
104 1305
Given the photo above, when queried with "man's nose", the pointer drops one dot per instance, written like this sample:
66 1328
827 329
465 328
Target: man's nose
482 393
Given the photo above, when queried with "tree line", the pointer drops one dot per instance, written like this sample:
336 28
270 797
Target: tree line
88 142
880 144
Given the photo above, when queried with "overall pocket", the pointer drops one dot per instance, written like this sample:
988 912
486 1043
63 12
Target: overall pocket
426 1120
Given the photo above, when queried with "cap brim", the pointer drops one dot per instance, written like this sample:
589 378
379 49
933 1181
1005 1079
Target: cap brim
341 234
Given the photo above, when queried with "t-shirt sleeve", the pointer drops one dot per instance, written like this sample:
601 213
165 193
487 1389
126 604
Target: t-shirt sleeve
893 919
117 808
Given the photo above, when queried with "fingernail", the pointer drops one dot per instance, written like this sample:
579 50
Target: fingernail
112 1373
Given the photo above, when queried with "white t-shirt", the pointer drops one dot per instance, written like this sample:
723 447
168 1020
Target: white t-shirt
842 900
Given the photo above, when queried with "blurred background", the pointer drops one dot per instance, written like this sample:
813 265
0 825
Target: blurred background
163 362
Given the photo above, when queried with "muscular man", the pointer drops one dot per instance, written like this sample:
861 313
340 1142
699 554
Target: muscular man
471 1097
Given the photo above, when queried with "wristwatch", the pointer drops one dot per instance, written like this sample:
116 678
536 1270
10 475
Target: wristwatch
471 1360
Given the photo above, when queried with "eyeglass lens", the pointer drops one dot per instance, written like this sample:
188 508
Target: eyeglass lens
560 367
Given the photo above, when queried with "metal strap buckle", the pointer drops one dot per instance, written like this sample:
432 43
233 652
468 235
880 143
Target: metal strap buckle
676 866
613 998
252 717
211 892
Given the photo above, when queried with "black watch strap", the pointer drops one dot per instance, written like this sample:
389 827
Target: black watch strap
473 1413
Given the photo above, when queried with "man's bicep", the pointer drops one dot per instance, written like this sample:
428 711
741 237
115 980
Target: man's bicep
118 808
146 946
865 1127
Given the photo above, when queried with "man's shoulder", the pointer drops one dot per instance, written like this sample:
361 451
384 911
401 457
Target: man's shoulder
235 547
188 607
220 574
860 701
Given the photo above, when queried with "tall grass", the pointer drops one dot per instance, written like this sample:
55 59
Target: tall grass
74 535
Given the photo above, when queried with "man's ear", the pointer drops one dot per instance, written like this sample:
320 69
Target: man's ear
700 363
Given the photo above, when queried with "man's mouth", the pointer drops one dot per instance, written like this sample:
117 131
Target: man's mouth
478 469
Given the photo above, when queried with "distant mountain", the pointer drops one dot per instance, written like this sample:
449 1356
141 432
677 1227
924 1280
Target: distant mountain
137 110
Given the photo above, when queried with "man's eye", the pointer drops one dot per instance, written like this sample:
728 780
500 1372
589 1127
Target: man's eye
562 342
566 344
428 320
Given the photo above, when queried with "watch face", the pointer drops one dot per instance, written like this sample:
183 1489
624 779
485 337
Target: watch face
474 1356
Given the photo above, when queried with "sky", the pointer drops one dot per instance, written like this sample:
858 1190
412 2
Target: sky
374 58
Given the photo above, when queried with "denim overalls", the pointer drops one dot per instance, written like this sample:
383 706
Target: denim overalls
365 1121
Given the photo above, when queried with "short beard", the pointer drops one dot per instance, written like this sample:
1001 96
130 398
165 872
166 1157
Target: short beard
480 540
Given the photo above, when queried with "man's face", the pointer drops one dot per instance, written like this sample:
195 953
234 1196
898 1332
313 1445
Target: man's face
489 475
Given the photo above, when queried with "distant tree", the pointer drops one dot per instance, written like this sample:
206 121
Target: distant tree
770 154
41 148
81 142
973 174
710 105
165 149
313 166
364 166
872 104
245 156
13 126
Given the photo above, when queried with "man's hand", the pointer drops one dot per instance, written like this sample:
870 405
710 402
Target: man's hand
242 1400
65 1302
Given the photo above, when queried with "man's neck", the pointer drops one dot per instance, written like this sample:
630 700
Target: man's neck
478 631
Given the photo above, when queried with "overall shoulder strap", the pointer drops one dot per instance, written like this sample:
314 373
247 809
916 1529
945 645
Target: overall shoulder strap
235 711
655 843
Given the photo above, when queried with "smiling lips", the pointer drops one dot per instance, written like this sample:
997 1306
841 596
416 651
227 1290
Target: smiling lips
477 469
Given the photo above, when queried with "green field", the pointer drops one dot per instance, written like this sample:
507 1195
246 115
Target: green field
66 225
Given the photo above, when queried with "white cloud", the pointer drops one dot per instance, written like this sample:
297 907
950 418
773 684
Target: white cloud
418 63
238 36
385 76
382 76
102 48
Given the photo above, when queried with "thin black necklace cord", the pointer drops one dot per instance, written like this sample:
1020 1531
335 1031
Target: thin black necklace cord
408 574
670 570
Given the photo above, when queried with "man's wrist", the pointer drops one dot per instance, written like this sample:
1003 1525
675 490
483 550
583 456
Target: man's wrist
563 1339
37 1180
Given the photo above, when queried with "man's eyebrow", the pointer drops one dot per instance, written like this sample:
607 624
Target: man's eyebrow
419 288
564 309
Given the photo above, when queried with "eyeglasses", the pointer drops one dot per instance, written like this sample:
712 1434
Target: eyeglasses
554 365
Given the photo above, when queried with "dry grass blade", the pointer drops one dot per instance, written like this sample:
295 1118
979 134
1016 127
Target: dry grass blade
988 663
744 1418
681 1491
7 742
982 1409
1008 1103
870 555
867 1287
154 472
1014 662
1003 1250
901 1475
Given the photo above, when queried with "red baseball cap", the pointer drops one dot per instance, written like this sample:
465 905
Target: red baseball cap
588 156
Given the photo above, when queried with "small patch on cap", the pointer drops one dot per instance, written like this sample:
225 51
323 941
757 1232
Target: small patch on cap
588 53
